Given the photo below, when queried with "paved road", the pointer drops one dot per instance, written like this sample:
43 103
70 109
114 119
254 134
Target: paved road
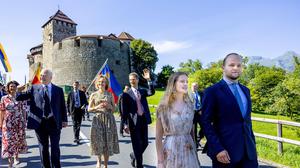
73 155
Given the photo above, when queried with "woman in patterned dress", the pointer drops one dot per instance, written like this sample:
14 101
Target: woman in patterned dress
104 137
175 121
12 121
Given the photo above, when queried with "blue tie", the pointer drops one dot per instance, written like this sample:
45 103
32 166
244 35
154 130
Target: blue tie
196 101
77 104
238 98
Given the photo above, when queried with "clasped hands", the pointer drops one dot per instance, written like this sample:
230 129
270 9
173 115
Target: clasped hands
104 105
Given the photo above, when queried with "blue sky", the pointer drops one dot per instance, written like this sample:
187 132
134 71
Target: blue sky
179 30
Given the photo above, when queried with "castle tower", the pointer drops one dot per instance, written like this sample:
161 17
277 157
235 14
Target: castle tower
57 28
127 38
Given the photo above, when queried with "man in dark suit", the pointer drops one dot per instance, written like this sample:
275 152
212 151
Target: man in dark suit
47 116
136 116
126 88
2 92
76 104
226 119
196 99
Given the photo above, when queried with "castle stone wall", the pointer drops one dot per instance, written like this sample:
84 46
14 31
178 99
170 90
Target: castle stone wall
72 62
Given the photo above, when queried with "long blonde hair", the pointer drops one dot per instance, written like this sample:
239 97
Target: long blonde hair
170 93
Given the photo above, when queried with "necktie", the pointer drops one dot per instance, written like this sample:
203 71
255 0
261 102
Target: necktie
238 98
140 110
76 99
196 102
47 108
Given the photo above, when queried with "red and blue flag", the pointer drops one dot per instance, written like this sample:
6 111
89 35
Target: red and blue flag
114 87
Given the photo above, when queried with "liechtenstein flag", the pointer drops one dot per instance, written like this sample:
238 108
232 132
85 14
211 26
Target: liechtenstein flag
114 87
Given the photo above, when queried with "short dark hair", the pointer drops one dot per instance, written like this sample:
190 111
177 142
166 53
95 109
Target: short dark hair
10 83
231 54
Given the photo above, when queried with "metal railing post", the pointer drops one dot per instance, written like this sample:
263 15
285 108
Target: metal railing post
279 134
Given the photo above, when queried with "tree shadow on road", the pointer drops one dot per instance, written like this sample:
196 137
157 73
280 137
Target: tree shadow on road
73 164
125 141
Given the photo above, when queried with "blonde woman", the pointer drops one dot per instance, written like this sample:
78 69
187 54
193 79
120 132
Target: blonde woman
175 121
104 137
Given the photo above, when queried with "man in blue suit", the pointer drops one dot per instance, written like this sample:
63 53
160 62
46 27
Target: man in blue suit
226 119
136 116
47 116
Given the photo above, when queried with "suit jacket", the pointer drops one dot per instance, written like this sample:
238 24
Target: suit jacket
193 98
224 125
71 101
196 116
37 102
129 105
120 106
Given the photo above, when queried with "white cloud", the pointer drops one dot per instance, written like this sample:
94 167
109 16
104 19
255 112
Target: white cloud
170 46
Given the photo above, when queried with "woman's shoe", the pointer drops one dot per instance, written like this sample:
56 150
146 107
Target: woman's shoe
16 161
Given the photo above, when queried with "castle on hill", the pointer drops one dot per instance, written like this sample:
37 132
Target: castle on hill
79 57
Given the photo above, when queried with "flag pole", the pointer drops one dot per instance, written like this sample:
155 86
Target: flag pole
97 74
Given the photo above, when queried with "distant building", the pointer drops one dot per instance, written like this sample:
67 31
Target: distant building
79 57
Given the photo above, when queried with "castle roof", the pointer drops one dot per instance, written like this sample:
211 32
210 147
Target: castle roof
59 15
112 35
93 36
37 49
125 36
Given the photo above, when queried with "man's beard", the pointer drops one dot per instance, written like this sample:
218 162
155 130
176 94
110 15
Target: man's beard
233 77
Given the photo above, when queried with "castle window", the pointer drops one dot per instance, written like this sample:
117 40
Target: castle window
118 62
59 45
99 42
77 43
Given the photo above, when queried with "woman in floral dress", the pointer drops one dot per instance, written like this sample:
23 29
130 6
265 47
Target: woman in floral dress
175 121
12 121
104 137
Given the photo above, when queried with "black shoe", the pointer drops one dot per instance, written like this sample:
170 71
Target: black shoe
132 158
76 141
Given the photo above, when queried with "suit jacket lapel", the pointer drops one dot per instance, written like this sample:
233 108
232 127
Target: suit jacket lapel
130 92
247 97
52 93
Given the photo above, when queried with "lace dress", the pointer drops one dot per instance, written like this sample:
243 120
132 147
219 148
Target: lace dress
179 149
104 137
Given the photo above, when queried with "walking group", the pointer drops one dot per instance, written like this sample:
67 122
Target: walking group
223 112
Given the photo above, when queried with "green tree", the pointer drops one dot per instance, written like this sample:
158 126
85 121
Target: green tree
262 85
163 76
287 95
249 72
144 56
206 77
190 66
